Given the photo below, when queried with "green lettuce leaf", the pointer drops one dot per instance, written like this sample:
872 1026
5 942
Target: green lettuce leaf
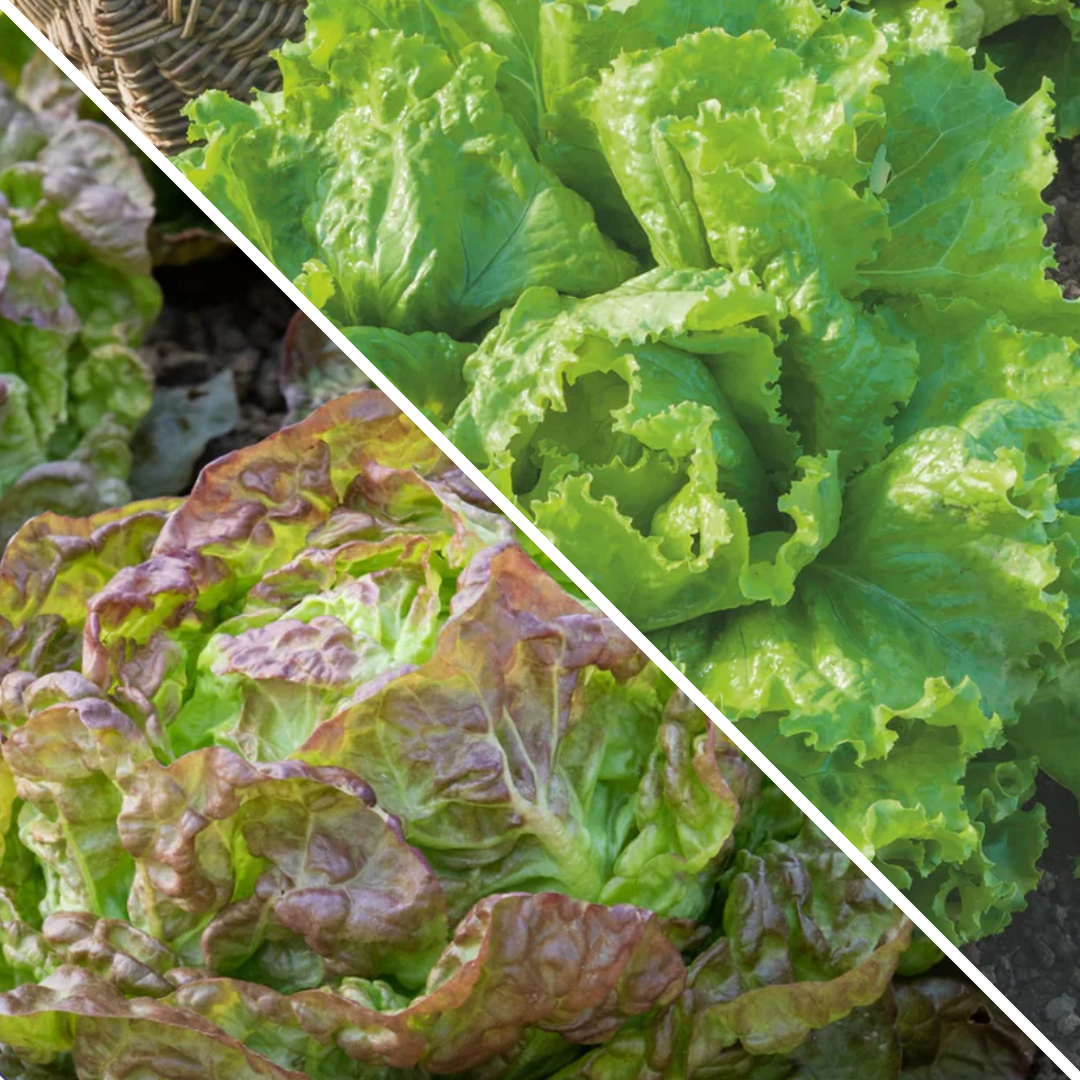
364 250
958 151
1035 49
630 417
889 585
1048 722
917 26
428 368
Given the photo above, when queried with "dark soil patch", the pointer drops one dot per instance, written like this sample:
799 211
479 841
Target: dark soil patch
1064 224
223 314
1035 962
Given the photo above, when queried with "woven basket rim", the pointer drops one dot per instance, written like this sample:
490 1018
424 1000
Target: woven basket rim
153 56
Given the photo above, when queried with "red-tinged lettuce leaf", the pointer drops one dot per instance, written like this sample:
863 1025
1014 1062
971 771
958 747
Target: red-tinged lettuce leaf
107 1035
31 288
80 485
517 962
354 507
135 963
532 750
934 1028
686 810
864 1045
524 973
68 746
76 297
25 955
51 569
345 616
87 193
287 1031
358 455
285 868
807 940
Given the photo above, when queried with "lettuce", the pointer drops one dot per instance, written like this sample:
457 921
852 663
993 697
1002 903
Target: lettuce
75 299
816 429
316 773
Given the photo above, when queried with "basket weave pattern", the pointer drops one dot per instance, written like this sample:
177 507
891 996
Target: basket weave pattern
152 56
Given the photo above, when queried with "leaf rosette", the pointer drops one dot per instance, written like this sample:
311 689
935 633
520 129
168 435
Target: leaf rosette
317 773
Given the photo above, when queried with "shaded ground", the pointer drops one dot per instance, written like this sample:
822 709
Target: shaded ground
1064 225
221 315
1035 961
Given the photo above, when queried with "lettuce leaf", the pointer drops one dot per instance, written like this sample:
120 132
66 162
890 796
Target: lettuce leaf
609 417
1035 49
955 143
76 297
341 784
363 250
777 959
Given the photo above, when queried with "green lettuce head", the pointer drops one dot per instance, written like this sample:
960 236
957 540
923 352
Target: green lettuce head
76 297
828 439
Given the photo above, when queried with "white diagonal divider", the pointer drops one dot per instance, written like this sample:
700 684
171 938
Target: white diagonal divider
515 514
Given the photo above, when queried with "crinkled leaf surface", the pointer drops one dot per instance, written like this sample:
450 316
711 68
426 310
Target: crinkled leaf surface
631 417
75 298
390 251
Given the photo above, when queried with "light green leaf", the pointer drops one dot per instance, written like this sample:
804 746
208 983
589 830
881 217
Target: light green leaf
965 202
600 418
391 209
931 549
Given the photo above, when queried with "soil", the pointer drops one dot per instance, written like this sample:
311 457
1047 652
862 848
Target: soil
1035 962
1064 224
222 314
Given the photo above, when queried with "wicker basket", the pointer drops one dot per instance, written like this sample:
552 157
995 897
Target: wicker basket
151 56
